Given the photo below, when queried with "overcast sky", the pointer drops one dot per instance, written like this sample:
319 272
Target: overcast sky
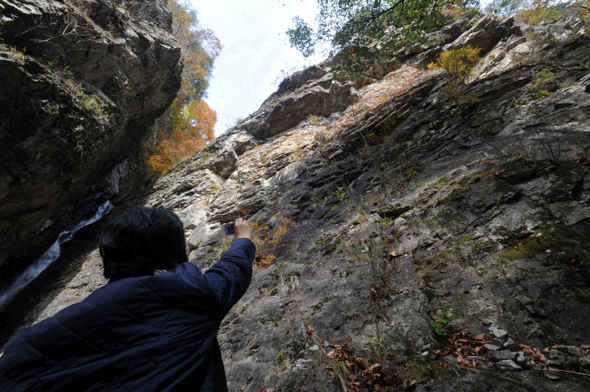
255 50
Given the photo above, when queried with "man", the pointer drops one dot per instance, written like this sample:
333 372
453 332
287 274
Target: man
153 327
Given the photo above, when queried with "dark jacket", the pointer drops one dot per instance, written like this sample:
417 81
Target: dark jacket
153 333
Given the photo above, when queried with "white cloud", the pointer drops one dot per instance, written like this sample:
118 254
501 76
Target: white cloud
255 50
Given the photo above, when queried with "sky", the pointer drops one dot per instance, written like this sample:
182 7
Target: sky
255 51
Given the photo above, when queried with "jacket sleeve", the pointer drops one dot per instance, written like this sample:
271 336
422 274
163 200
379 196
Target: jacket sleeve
230 277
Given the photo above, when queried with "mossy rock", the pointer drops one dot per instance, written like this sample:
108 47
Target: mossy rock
392 210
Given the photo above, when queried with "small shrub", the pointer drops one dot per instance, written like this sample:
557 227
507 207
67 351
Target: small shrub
267 241
459 62
440 324
419 368
538 84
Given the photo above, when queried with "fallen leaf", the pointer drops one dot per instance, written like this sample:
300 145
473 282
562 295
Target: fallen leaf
309 331
540 357
552 373
465 362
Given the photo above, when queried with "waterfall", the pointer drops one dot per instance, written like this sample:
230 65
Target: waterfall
50 255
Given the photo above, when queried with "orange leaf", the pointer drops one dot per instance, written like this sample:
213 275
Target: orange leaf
465 362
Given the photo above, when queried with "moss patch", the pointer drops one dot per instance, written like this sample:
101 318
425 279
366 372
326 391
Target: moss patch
555 243
329 243
465 184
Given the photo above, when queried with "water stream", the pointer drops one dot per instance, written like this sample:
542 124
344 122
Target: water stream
50 255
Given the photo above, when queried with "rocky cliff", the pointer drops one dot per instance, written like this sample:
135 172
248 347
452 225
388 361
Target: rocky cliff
82 83
413 230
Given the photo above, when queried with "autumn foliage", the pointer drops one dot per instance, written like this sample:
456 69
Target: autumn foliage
188 124
268 240
459 62
192 126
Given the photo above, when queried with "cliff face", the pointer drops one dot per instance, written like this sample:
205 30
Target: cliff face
82 83
397 211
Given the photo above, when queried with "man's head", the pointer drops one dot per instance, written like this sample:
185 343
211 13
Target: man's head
140 241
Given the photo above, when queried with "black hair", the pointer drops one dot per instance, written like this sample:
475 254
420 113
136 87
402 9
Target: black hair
141 241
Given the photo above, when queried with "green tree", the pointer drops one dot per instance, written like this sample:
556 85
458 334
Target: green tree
538 12
535 12
188 123
364 30
505 7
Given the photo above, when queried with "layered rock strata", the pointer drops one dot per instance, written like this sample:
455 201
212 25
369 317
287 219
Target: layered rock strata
82 83
426 208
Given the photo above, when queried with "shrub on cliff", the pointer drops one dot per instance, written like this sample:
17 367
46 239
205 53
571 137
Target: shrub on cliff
188 124
458 62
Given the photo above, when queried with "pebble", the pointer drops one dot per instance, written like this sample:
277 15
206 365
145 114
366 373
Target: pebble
520 359
501 355
538 366
507 364
553 354
569 350
511 345
300 364
498 332
491 347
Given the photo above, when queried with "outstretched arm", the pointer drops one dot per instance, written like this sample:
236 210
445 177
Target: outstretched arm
230 277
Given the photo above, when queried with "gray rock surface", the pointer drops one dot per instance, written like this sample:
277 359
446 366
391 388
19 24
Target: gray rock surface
501 355
82 83
480 235
507 364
